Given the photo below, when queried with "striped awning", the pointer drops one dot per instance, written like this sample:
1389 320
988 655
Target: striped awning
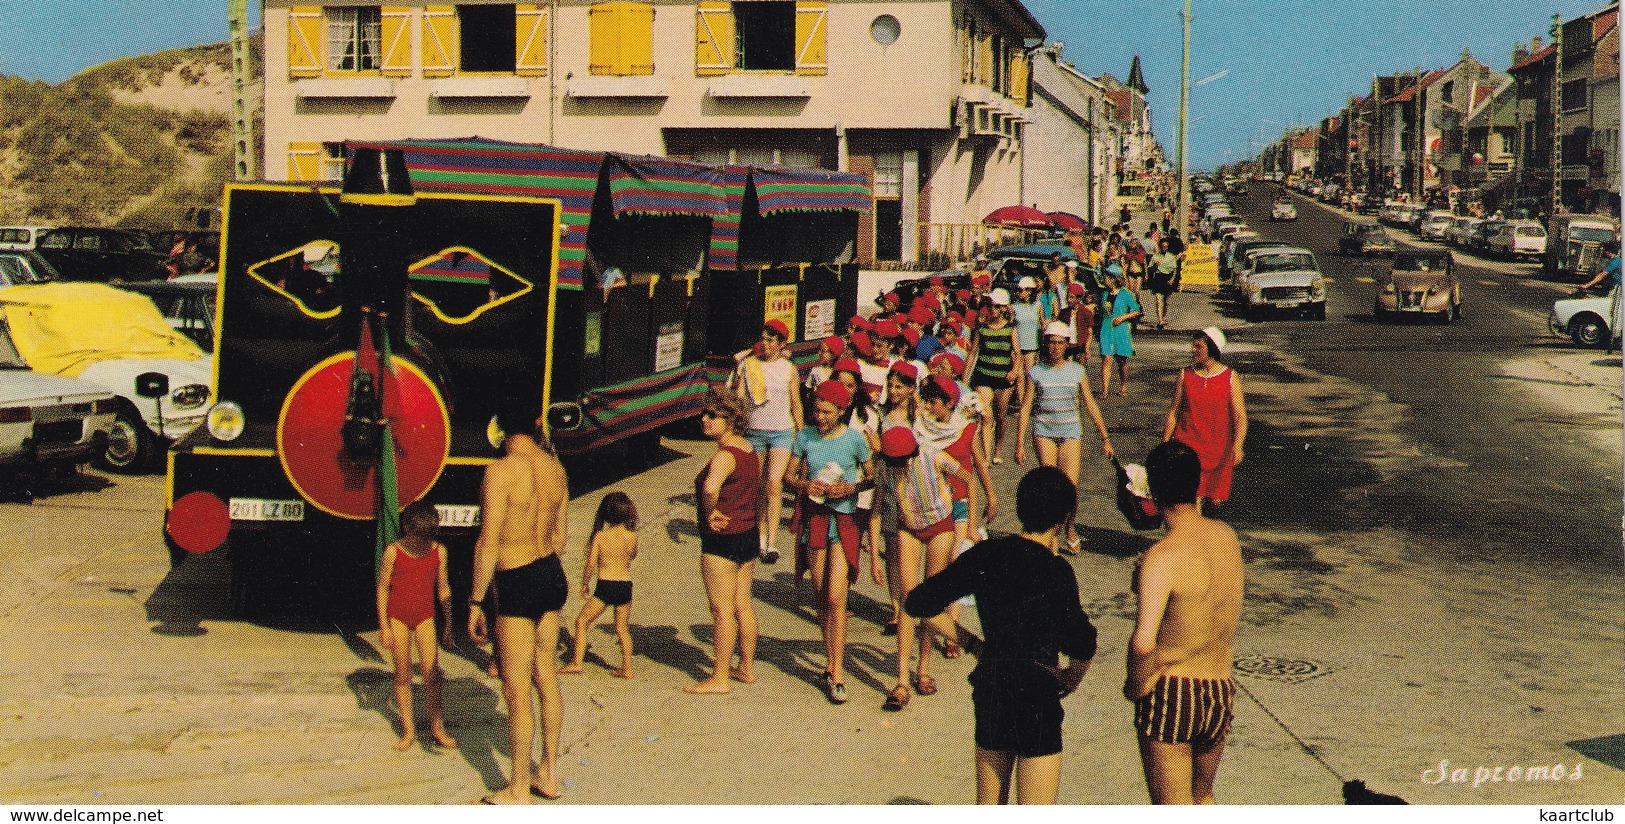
661 186
783 189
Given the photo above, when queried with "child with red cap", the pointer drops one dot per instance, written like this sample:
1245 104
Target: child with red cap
829 351
915 505
829 462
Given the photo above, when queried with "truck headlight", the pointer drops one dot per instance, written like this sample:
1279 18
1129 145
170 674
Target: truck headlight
225 421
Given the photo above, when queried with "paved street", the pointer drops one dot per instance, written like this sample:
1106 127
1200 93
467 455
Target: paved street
1429 516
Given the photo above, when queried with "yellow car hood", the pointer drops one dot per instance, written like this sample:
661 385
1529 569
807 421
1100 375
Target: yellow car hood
62 328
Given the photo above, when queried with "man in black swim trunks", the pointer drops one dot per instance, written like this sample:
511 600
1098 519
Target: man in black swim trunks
523 504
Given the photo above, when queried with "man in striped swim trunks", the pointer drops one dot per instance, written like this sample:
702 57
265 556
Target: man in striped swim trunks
1190 588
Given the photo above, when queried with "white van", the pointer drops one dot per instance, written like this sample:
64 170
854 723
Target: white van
1132 194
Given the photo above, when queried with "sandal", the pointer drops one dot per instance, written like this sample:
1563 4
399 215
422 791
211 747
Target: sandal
896 699
890 628
837 692
952 651
925 684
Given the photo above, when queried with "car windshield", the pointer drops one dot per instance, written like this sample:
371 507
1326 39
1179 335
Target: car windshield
1590 233
1531 231
1419 263
1285 263
1375 232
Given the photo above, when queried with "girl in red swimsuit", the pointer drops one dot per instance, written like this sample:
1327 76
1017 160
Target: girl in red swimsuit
411 577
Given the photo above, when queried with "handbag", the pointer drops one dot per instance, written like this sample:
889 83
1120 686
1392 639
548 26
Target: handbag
1141 512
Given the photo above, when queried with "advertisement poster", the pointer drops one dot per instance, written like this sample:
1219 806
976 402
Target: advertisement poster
780 303
820 319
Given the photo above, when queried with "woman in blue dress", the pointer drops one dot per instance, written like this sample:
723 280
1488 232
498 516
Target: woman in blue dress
1117 331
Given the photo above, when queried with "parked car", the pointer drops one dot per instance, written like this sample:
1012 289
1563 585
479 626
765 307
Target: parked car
20 238
87 253
25 267
1420 282
1236 256
1460 231
1365 239
1009 263
1283 210
1433 225
119 341
1587 318
187 302
49 421
1518 238
1282 279
1574 245
1480 241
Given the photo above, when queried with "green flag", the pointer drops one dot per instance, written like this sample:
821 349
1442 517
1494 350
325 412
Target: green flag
389 510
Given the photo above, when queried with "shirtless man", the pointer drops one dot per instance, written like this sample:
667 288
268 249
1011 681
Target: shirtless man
1189 586
523 500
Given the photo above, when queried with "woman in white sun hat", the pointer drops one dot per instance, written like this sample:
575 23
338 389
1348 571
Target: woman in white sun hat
1061 395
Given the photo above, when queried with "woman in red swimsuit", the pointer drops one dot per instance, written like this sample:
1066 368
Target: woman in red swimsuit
725 495
411 577
1209 415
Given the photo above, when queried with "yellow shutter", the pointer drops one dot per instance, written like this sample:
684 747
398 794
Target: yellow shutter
604 39
304 162
395 36
967 53
1020 77
439 41
530 59
812 56
984 60
305 41
637 38
714 37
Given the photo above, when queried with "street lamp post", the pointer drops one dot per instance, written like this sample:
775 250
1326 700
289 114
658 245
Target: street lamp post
1182 216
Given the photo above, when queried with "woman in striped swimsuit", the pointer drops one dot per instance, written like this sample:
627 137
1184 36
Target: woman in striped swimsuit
994 369
1061 394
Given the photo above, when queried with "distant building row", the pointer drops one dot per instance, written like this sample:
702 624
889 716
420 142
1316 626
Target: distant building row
952 107
1547 129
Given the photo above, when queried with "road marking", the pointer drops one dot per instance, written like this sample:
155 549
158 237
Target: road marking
1365 279
1489 283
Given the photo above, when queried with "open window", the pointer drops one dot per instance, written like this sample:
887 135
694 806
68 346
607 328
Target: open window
487 38
458 284
304 277
353 42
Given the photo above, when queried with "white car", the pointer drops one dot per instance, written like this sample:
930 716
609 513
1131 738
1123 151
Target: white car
1590 320
21 238
1460 231
117 340
1518 238
1283 210
1282 279
48 421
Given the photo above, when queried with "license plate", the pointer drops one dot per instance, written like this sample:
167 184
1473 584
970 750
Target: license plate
458 515
1288 304
259 509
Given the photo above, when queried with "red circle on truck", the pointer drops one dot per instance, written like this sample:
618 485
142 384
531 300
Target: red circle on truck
198 522
311 446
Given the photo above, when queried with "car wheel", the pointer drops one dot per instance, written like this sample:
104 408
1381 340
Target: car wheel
130 445
1319 312
1377 313
1588 330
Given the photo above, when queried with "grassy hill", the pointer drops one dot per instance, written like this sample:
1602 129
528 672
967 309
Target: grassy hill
138 142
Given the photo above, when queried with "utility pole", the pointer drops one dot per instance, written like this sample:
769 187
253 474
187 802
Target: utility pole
1182 216
247 161
1556 107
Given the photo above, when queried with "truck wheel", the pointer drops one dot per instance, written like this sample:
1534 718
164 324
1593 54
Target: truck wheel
130 445
1588 330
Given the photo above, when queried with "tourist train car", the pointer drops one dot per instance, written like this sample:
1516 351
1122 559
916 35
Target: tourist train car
570 281
786 249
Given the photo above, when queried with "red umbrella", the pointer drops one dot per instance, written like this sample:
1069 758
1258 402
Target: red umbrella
1068 221
1019 217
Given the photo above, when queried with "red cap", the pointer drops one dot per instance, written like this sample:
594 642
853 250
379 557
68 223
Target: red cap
921 314
947 385
835 345
898 442
861 342
936 280
887 329
833 392
893 297
1075 288
982 280
848 365
930 301
955 363
777 327
857 322
905 370
962 295
911 335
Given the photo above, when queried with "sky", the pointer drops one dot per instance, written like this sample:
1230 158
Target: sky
1268 64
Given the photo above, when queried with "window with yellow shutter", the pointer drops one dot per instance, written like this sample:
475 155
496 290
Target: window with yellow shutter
621 39
714 37
353 38
530 39
486 35
304 162
812 25
439 41
305 41
395 39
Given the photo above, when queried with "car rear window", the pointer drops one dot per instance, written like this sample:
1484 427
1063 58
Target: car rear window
1531 231
1590 233
56 240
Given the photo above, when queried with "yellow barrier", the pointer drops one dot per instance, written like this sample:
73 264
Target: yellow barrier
1201 266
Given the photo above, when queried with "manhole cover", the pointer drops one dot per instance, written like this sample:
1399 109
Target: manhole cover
1284 670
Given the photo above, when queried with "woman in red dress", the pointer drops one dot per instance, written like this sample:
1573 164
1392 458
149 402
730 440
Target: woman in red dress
1209 415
